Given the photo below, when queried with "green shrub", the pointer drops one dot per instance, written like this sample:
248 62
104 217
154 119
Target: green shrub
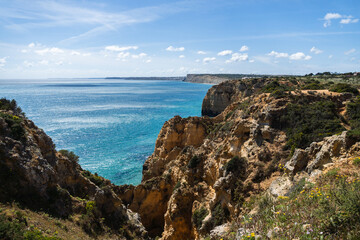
279 93
219 215
309 122
194 161
344 88
273 86
353 114
70 155
198 216
236 166
313 86
8 105
94 178
356 161
15 124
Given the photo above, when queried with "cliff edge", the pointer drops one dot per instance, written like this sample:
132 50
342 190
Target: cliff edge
204 171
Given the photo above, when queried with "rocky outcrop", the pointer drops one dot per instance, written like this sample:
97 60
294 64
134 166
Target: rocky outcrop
33 173
220 96
203 169
318 154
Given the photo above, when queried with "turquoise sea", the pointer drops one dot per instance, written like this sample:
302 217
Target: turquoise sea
112 124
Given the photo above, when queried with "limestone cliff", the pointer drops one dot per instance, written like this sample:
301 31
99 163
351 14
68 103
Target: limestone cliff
204 169
34 174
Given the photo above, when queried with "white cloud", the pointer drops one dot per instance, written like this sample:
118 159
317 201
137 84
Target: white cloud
197 60
299 56
344 19
251 60
116 48
31 45
278 55
350 51
75 53
53 51
3 61
181 56
209 59
123 55
140 55
349 20
86 54
330 16
201 52
244 48
59 63
224 53
236 57
24 51
330 56
148 61
315 50
174 49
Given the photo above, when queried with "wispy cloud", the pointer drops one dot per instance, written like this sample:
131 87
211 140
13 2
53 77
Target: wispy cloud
201 52
3 61
224 53
53 50
350 51
209 59
116 48
175 49
50 14
315 50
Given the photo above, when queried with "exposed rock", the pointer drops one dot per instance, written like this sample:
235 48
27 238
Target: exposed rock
298 161
36 175
281 186
219 231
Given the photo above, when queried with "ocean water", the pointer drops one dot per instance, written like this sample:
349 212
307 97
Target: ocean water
112 125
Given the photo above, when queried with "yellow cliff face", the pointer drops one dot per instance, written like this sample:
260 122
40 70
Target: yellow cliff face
203 169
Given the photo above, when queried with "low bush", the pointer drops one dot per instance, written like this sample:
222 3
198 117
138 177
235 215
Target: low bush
94 178
309 122
219 215
70 155
194 161
237 166
344 88
198 216
15 124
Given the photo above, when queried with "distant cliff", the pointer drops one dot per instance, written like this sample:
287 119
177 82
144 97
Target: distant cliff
216 78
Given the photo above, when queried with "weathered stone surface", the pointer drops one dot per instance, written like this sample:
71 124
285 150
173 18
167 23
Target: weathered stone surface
298 161
35 174
281 186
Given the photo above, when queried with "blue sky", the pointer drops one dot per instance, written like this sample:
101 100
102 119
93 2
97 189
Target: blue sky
49 38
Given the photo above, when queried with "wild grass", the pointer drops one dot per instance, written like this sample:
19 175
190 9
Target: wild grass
329 209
